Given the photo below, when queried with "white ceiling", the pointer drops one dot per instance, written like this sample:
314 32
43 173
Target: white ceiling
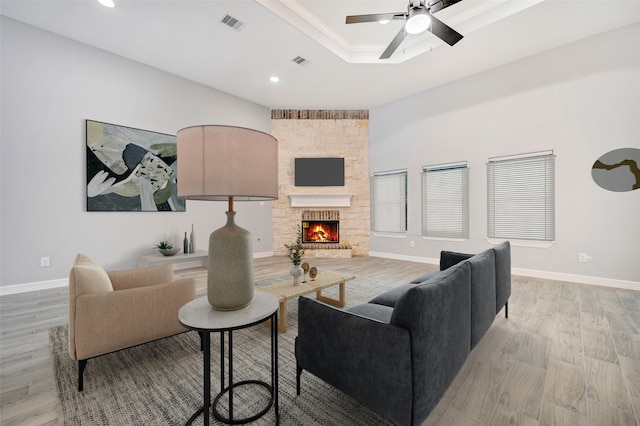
186 38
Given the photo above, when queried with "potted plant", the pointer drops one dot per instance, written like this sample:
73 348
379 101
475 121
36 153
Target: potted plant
295 255
166 248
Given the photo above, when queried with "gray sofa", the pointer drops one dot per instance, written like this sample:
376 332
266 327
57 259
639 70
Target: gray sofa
398 353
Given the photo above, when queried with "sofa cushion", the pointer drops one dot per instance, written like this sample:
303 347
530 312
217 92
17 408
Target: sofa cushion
483 293
381 313
503 274
389 298
450 258
423 277
437 315
89 276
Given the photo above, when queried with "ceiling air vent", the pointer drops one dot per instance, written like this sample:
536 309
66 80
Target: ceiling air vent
232 22
299 60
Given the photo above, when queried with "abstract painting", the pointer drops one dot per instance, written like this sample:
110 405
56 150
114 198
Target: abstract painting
618 170
130 169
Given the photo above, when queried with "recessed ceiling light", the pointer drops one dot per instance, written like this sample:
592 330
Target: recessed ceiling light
274 79
384 21
107 3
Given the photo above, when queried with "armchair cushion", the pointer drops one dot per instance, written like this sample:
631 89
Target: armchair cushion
92 276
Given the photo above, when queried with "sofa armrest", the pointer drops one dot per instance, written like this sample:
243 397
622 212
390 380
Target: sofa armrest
110 321
365 358
141 277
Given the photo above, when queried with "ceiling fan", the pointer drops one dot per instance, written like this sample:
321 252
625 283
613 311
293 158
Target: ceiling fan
419 17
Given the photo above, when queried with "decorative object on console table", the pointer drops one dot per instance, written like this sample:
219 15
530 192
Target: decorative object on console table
295 255
313 273
192 248
166 248
305 270
185 244
226 163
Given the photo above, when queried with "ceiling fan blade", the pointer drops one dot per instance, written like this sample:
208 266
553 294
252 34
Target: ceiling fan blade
358 19
444 32
397 40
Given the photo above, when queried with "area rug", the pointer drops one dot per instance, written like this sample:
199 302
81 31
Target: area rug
160 383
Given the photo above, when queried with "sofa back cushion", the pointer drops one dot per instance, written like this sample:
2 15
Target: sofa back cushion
503 274
450 258
483 293
437 315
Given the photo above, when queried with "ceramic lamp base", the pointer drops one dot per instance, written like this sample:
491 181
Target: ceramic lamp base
230 276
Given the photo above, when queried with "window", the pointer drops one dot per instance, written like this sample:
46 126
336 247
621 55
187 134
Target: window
445 201
389 193
521 197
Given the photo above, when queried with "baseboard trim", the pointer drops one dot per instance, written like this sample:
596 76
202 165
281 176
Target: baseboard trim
64 282
35 286
533 273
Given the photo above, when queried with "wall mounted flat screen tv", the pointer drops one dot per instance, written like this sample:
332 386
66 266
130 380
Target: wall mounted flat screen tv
319 171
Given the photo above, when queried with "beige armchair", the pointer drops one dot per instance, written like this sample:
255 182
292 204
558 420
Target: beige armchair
109 311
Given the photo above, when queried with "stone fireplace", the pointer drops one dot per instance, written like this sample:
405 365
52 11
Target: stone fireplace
322 133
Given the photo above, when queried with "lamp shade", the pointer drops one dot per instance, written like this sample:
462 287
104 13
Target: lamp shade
217 162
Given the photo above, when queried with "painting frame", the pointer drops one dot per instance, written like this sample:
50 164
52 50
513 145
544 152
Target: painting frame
130 169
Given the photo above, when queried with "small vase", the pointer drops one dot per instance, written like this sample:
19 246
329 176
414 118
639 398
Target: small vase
296 272
192 243
185 244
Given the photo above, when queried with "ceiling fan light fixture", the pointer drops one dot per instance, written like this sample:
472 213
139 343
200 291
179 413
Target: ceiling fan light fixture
107 3
418 20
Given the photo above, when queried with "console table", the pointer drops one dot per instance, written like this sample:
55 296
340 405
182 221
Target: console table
201 256
200 316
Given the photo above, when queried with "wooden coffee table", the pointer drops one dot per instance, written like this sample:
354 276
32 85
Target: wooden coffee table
285 291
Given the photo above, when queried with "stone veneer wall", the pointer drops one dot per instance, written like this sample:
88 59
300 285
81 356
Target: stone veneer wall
323 133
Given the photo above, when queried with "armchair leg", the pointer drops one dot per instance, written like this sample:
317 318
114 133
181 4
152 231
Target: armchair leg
82 363
506 309
298 374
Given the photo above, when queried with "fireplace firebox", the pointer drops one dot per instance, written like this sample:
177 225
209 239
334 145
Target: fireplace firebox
320 231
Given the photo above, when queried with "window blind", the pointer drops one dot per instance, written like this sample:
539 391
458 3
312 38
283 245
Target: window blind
445 201
521 197
389 191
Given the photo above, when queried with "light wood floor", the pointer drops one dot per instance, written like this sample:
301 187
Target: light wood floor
569 354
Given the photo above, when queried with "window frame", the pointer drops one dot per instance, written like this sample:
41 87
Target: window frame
521 198
445 188
385 218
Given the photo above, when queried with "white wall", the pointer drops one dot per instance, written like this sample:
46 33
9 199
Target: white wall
581 100
50 85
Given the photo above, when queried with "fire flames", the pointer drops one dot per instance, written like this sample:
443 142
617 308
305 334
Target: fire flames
321 233
318 234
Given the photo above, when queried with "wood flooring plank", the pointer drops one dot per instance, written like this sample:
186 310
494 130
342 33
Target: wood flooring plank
479 395
553 415
566 387
521 391
568 344
598 344
606 385
601 414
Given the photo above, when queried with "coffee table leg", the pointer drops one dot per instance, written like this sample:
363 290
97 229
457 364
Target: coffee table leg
340 302
282 320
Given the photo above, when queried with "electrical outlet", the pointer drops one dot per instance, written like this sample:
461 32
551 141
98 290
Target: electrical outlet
412 243
583 257
44 262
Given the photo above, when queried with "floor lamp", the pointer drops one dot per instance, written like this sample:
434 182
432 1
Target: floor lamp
226 163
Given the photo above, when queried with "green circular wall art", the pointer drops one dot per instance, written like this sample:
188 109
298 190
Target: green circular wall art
618 170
